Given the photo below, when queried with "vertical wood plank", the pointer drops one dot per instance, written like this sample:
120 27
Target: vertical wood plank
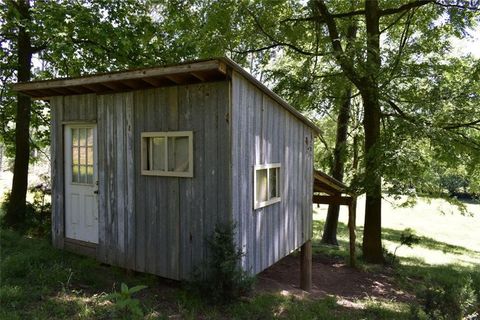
57 155
130 185
173 245
119 175
102 187
140 190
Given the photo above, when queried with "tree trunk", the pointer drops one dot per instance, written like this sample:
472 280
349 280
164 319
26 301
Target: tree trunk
330 230
372 234
15 215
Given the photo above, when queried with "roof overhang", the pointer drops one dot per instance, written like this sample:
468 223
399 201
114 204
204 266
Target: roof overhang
186 73
322 182
215 69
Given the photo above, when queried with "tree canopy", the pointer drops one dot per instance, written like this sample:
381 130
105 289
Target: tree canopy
412 119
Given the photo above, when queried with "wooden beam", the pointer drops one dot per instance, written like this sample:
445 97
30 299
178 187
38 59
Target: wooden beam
92 87
199 76
117 76
340 200
116 86
306 266
175 78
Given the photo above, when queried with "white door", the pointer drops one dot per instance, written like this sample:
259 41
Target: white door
81 183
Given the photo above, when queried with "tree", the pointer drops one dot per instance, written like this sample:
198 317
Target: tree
69 38
25 49
412 32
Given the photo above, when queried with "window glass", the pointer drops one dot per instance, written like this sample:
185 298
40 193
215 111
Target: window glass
83 136
75 172
90 137
82 155
180 154
261 187
83 174
74 137
273 182
90 174
90 155
158 153
167 153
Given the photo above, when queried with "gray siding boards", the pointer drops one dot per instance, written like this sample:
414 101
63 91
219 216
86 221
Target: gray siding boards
263 132
174 215
159 224
56 149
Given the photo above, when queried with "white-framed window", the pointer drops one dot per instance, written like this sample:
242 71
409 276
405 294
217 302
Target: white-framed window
266 185
167 153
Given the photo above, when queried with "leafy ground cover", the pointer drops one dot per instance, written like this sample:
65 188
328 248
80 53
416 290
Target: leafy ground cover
39 282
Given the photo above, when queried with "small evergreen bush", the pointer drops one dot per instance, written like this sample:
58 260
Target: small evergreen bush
221 279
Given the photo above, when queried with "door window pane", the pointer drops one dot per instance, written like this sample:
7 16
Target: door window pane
75 172
82 155
90 155
74 137
90 137
83 136
83 174
89 174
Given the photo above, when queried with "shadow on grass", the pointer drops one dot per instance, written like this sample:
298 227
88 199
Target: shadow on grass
39 281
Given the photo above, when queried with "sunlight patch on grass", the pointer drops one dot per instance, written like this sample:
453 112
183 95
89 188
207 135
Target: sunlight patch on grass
432 256
447 236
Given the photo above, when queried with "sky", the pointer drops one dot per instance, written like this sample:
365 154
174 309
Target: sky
468 45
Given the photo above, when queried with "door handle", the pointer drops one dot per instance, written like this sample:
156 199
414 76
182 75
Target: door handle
95 192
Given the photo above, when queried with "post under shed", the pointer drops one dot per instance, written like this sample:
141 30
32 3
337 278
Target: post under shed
328 190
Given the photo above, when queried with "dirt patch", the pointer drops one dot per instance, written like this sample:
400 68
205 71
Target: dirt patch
330 277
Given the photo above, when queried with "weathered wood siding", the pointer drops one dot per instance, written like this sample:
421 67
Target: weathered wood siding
264 132
174 215
152 224
116 169
80 108
56 150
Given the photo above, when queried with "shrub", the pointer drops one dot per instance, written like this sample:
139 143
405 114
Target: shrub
221 279
450 301
38 212
125 305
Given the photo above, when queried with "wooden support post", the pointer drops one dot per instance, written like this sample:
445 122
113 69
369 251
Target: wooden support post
306 266
351 227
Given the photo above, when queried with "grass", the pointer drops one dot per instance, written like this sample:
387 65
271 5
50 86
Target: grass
40 282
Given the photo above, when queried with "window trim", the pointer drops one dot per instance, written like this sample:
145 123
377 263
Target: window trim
166 134
262 204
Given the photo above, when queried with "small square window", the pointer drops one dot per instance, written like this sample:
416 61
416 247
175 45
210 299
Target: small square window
167 153
266 185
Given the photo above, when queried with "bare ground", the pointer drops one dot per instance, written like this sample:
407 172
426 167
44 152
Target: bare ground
330 277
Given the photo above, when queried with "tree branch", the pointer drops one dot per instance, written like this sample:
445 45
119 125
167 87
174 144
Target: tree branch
281 43
344 62
462 125
458 6
405 7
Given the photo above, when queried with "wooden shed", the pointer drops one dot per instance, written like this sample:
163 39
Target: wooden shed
145 163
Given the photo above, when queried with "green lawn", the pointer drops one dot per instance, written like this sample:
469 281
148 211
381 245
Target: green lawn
441 272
